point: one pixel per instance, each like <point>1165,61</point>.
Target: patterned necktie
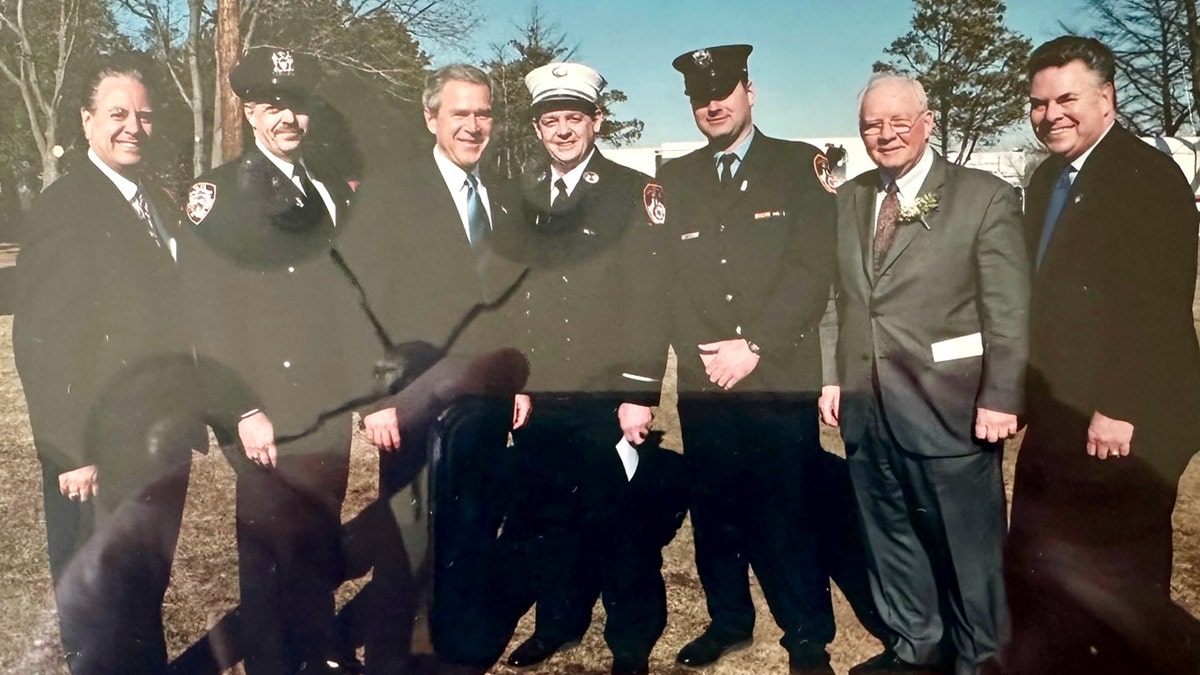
<point>478,224</point>
<point>142,208</point>
<point>1058,199</point>
<point>560,195</point>
<point>726,170</point>
<point>885,225</point>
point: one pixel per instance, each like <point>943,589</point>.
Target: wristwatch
<point>754,348</point>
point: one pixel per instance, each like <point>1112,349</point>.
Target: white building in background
<point>1014,166</point>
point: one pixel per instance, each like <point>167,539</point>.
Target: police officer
<point>276,310</point>
<point>588,517</point>
<point>750,235</point>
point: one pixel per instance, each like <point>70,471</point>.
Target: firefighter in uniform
<point>750,232</point>
<point>595,501</point>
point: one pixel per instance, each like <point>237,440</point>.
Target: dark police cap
<point>268,74</point>
<point>711,74</point>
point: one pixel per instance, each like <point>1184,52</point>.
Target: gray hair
<point>892,77</point>
<point>431,98</point>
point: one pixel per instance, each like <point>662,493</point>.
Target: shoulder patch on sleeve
<point>652,199</point>
<point>824,173</point>
<point>201,197</point>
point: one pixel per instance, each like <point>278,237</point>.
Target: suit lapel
<point>908,231</point>
<point>1083,190</point>
<point>443,210</point>
<point>1037,201</point>
<point>864,218</point>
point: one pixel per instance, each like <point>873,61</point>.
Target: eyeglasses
<point>900,127</point>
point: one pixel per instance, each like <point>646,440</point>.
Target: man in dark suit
<point>750,237</point>
<point>932,304</point>
<point>587,517</point>
<point>421,250</point>
<point>277,310</point>
<point>1113,385</point>
<point>99,320</point>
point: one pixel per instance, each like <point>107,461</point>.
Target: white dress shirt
<point>456,183</point>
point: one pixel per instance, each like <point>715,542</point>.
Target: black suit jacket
<point>589,317</point>
<point>1111,326</point>
<point>98,299</point>
<point>755,261</point>
<point>272,305</point>
<point>420,276</point>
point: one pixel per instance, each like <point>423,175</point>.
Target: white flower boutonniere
<point>916,211</point>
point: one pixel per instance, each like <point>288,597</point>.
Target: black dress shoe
<point>708,648</point>
<point>815,662</point>
<point>535,650</point>
<point>887,662</point>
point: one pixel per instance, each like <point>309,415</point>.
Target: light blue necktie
<point>477,218</point>
<point>1058,199</point>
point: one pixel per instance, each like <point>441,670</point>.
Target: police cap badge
<point>272,75</point>
<point>711,74</point>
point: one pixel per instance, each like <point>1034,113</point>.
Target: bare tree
<point>178,42</point>
<point>37,47</point>
<point>1152,44</point>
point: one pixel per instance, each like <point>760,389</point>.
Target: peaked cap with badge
<point>271,75</point>
<point>711,74</point>
<point>564,86</point>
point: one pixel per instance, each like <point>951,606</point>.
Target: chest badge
<point>201,197</point>
<point>652,199</point>
<point>591,177</point>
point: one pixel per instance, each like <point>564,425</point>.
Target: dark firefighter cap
<point>711,74</point>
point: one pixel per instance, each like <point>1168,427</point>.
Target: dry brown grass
<point>204,584</point>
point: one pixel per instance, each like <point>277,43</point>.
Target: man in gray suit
<point>925,380</point>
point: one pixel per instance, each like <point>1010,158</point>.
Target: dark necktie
<point>885,225</point>
<point>312,202</point>
<point>726,170</point>
<point>560,195</point>
<point>477,217</point>
<point>1058,199</point>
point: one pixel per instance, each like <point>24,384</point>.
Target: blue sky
<point>810,57</point>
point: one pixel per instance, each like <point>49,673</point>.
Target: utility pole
<point>229,52</point>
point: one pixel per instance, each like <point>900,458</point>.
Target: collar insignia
<point>591,177</point>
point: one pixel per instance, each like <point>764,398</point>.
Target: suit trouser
<point>934,529</point>
<point>112,593</point>
<point>581,529</point>
<point>399,565</point>
<point>747,457</point>
<point>1088,560</point>
<point>470,483</point>
<point>289,550</point>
